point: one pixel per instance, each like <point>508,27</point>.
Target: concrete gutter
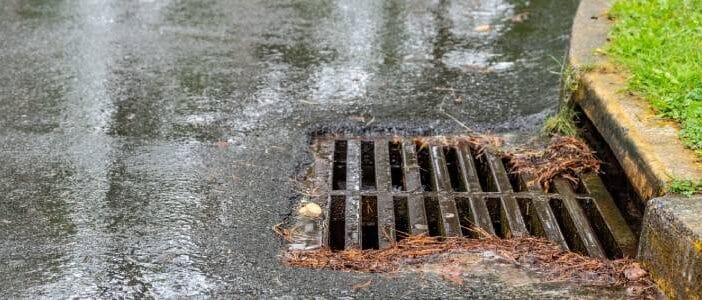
<point>650,153</point>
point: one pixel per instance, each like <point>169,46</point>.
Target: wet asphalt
<point>147,147</point>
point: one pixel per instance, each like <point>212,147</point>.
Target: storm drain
<point>374,192</point>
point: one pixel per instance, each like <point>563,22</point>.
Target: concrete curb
<point>650,153</point>
<point>671,246</point>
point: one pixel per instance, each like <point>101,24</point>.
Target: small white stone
<point>310,210</point>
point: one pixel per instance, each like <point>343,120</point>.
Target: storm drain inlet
<point>376,191</point>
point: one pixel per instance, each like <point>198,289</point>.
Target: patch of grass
<point>685,187</point>
<point>660,43</point>
<point>563,122</point>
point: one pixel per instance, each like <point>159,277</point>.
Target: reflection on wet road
<point>146,147</point>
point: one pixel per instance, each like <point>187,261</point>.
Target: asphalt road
<point>147,147</point>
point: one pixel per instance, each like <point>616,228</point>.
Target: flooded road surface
<point>147,147</point>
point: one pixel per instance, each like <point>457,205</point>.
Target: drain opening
<point>487,182</point>
<point>618,183</point>
<point>424,162</point>
<point>517,184</point>
<point>372,211</point>
<point>465,216</point>
<point>367,165</point>
<point>531,218</point>
<point>600,227</point>
<point>433,211</point>
<point>339,168</point>
<point>454,169</point>
<point>497,216</point>
<point>402,222</point>
<point>369,222</point>
<point>579,188</point>
<point>565,222</point>
<point>337,223</point>
<point>396,175</point>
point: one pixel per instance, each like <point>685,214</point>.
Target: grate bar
<point>549,222</point>
<point>624,238</point>
<point>353,200</point>
<point>323,172</point>
<point>415,200</point>
<point>353,165</point>
<point>481,215</point>
<point>543,210</point>
<point>582,225</point>
<point>386,216</point>
<point>449,213</point>
<point>353,222</point>
<point>516,226</point>
<point>382,166</point>
<point>498,174</point>
<point>469,175</point>
<point>440,179</point>
<point>468,169</point>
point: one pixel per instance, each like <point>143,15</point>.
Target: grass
<point>685,187</point>
<point>563,122</point>
<point>659,42</point>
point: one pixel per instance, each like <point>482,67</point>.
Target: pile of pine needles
<point>565,156</point>
<point>534,254</point>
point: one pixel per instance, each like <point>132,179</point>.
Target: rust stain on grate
<point>375,191</point>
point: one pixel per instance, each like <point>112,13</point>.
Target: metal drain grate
<point>376,191</point>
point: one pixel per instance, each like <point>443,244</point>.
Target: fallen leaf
<point>482,28</point>
<point>634,272</point>
<point>452,274</point>
<point>309,102</point>
<point>358,118</point>
<point>635,291</point>
<point>359,286</point>
<point>519,18</point>
<point>221,144</point>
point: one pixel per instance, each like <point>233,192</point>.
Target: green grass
<point>563,122</point>
<point>660,43</point>
<point>684,187</point>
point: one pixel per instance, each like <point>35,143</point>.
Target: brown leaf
<point>221,144</point>
<point>452,274</point>
<point>482,28</point>
<point>360,286</point>
<point>521,17</point>
<point>634,272</point>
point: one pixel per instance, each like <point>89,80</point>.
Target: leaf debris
<point>536,254</point>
